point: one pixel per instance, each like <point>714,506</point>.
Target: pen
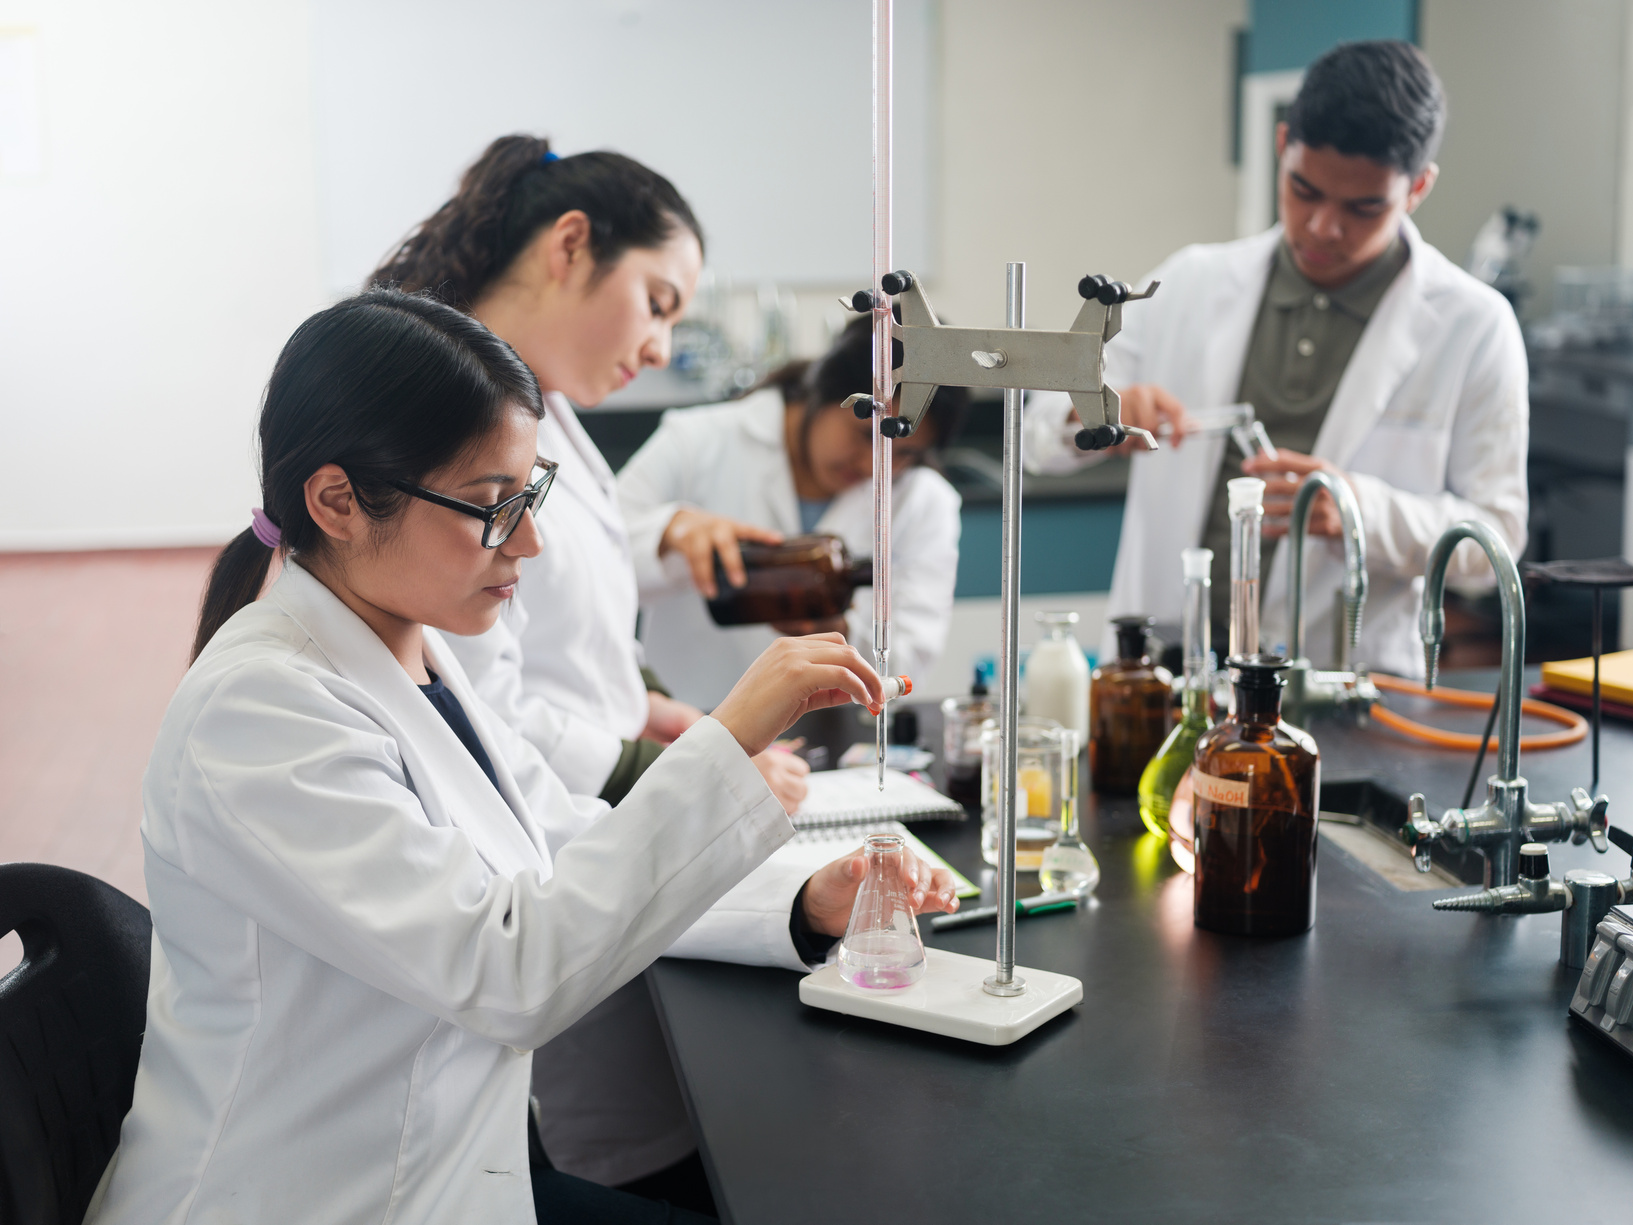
<point>1042,904</point>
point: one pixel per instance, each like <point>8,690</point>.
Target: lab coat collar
<point>1388,351</point>
<point>456,790</point>
<point>583,468</point>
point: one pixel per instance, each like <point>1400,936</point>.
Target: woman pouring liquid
<point>371,898</point>
<point>789,459</point>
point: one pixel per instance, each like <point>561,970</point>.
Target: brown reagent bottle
<point>1258,790</point>
<point>1131,704</point>
<point>806,578</point>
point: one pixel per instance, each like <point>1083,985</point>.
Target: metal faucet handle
<point>1591,819</point>
<point>1419,832</point>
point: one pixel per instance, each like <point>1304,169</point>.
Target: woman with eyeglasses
<point>790,458</point>
<point>584,264</point>
<point>371,899</point>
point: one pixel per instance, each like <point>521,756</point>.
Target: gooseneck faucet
<point>1508,819</point>
<point>1308,690</point>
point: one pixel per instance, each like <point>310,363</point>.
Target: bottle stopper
<point>1245,492</point>
<point>1197,564</point>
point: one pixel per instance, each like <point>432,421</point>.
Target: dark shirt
<point>453,714</point>
<point>1303,339</point>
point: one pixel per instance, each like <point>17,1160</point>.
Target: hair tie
<point>266,531</point>
<point>549,156</point>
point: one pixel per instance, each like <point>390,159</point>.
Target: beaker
<point>1039,746</point>
<point>881,948</point>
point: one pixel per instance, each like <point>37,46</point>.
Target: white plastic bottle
<point>1057,676</point>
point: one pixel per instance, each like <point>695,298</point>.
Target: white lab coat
<point>731,459</point>
<point>358,940</point>
<point>1430,421</point>
<point>562,669</point>
<point>563,666</point>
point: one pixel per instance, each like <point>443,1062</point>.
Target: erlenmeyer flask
<point>881,948</point>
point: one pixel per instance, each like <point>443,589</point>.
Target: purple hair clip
<point>549,156</point>
<point>266,531</point>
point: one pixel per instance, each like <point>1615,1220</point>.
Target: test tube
<point>1246,495</point>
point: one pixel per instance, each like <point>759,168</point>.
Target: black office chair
<point>71,1021</point>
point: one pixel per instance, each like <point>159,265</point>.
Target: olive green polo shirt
<point>1302,342</point>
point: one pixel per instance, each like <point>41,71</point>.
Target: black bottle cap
<point>1257,671</point>
<point>1131,635</point>
<point>1534,861</point>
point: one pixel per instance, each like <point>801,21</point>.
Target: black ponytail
<point>390,386</point>
<point>514,190</point>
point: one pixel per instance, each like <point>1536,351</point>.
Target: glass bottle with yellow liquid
<point>1257,784</point>
<point>1163,772</point>
<point>1039,749</point>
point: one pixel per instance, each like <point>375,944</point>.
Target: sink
<point>1364,819</point>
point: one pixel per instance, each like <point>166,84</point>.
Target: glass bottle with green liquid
<point>1164,771</point>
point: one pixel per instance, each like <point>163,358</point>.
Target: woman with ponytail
<point>584,263</point>
<point>370,898</point>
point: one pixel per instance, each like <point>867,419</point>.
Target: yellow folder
<point>1576,676</point>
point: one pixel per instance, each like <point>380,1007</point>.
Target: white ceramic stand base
<point>949,1000</point>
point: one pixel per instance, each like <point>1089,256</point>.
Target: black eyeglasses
<point>498,521</point>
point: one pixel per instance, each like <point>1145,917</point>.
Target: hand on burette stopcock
<point>793,676</point>
<point>698,536</point>
<point>1282,476</point>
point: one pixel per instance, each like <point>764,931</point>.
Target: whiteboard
<point>758,110</point>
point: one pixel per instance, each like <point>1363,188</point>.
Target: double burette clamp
<point>927,354</point>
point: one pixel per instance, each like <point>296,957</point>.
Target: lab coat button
<point>1321,302</point>
<point>1306,347</point>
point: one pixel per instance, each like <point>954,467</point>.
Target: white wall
<point>759,112</point>
<point>1537,115</point>
<point>1080,136</point>
<point>150,272</point>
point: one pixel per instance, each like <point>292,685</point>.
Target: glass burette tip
<point>881,661</point>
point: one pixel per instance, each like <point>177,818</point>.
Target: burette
<point>883,370</point>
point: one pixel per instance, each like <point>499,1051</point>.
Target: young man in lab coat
<point>1364,351</point>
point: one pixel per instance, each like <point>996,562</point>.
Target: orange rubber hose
<point>1576,727</point>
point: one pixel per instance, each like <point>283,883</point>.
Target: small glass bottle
<point>1130,708</point>
<point>961,723</point>
<point>882,948</point>
<point>1258,790</point>
<point>806,578</point>
<point>1068,865</point>
<point>1039,746</point>
<point>1057,676</point>
<point>1163,772</point>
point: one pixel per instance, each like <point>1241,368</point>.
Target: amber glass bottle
<point>806,578</point>
<point>1131,703</point>
<point>1258,790</point>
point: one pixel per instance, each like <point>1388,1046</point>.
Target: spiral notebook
<point>852,797</point>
